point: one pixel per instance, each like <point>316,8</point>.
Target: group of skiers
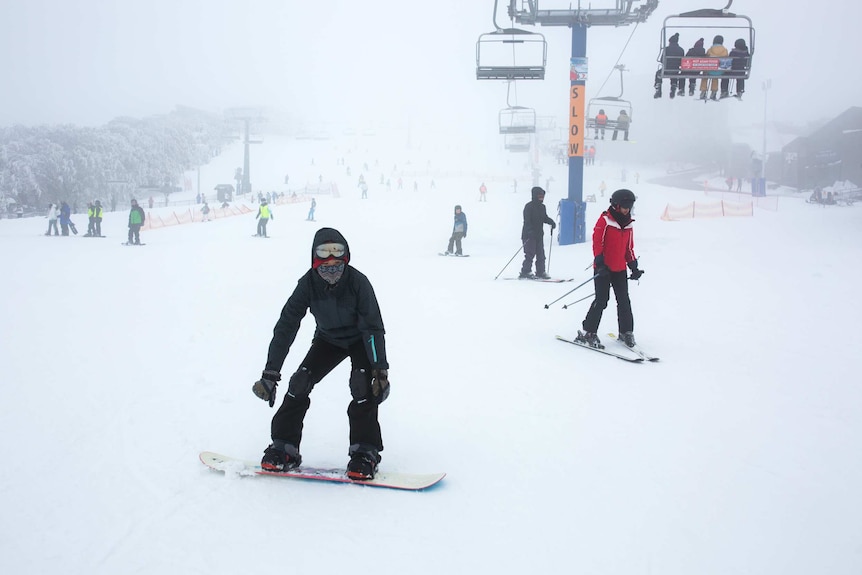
<point>63,215</point>
<point>349,324</point>
<point>673,54</point>
<point>613,256</point>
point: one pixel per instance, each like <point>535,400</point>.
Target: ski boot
<point>703,94</point>
<point>590,338</point>
<point>725,95</point>
<point>657,94</point>
<point>672,94</point>
<point>280,456</point>
<point>363,462</point>
<point>542,276</point>
<point>628,338</point>
<point>526,276</point>
<point>713,96</point>
<point>691,90</point>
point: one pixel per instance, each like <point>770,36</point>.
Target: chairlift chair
<point>517,120</point>
<point>516,142</point>
<point>612,107</point>
<point>707,23</point>
<point>511,54</point>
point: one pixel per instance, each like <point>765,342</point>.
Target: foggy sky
<point>88,61</point>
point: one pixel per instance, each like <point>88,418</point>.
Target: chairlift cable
<point>622,53</point>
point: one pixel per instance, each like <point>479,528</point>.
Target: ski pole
<point>510,261</point>
<point>547,305</point>
<point>550,247</point>
<point>579,300</point>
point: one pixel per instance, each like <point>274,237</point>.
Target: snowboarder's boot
<point>363,462</point>
<point>590,338</point>
<point>280,456</point>
<point>628,338</point>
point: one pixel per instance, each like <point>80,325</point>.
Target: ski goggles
<point>331,249</point>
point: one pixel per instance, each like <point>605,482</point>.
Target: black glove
<point>601,269</point>
<point>553,226</point>
<point>265,387</point>
<point>636,273</point>
<point>380,384</point>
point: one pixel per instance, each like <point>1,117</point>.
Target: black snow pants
<point>322,358</point>
<point>619,281</point>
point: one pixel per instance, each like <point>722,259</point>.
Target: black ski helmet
<point>623,198</point>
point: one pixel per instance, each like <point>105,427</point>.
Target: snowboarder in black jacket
<point>533,235</point>
<point>349,324</point>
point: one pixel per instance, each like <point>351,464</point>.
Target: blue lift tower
<point>625,12</point>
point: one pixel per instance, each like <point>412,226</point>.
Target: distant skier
<point>533,235</point>
<point>310,217</point>
<point>349,324</point>
<point>459,231</point>
<point>264,214</point>
<point>52,216</point>
<point>613,250</point>
<point>136,220</point>
<point>483,191</point>
<point>205,212</point>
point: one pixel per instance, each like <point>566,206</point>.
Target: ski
<point>602,350</point>
<point>128,244</point>
<point>454,255</point>
<point>636,349</point>
<point>547,281</point>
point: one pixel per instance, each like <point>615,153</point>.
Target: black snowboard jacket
<point>345,312</point>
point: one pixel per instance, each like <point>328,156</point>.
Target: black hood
<point>326,235</point>
<point>536,192</point>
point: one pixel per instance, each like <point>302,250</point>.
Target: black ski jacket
<point>535,216</point>
<point>345,312</point>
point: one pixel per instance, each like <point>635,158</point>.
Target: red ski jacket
<point>615,242</point>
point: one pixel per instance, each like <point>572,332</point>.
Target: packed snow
<point>736,453</point>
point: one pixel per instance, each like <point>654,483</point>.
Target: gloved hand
<point>380,384</point>
<point>601,269</point>
<point>636,273</point>
<point>553,226</point>
<point>265,387</point>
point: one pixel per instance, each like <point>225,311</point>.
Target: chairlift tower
<point>247,116</point>
<point>573,209</point>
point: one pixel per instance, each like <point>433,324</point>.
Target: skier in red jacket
<point>613,251</point>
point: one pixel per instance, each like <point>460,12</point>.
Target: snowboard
<point>390,480</point>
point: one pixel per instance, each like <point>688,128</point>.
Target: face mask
<point>331,273</point>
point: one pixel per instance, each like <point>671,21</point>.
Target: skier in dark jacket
<point>672,59</point>
<point>613,251</point>
<point>349,324</point>
<point>696,51</point>
<point>65,218</point>
<point>741,61</point>
<point>533,235</point>
<point>459,231</point>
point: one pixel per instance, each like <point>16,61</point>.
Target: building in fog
<point>831,153</point>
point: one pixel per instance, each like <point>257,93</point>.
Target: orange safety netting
<point>707,210</point>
